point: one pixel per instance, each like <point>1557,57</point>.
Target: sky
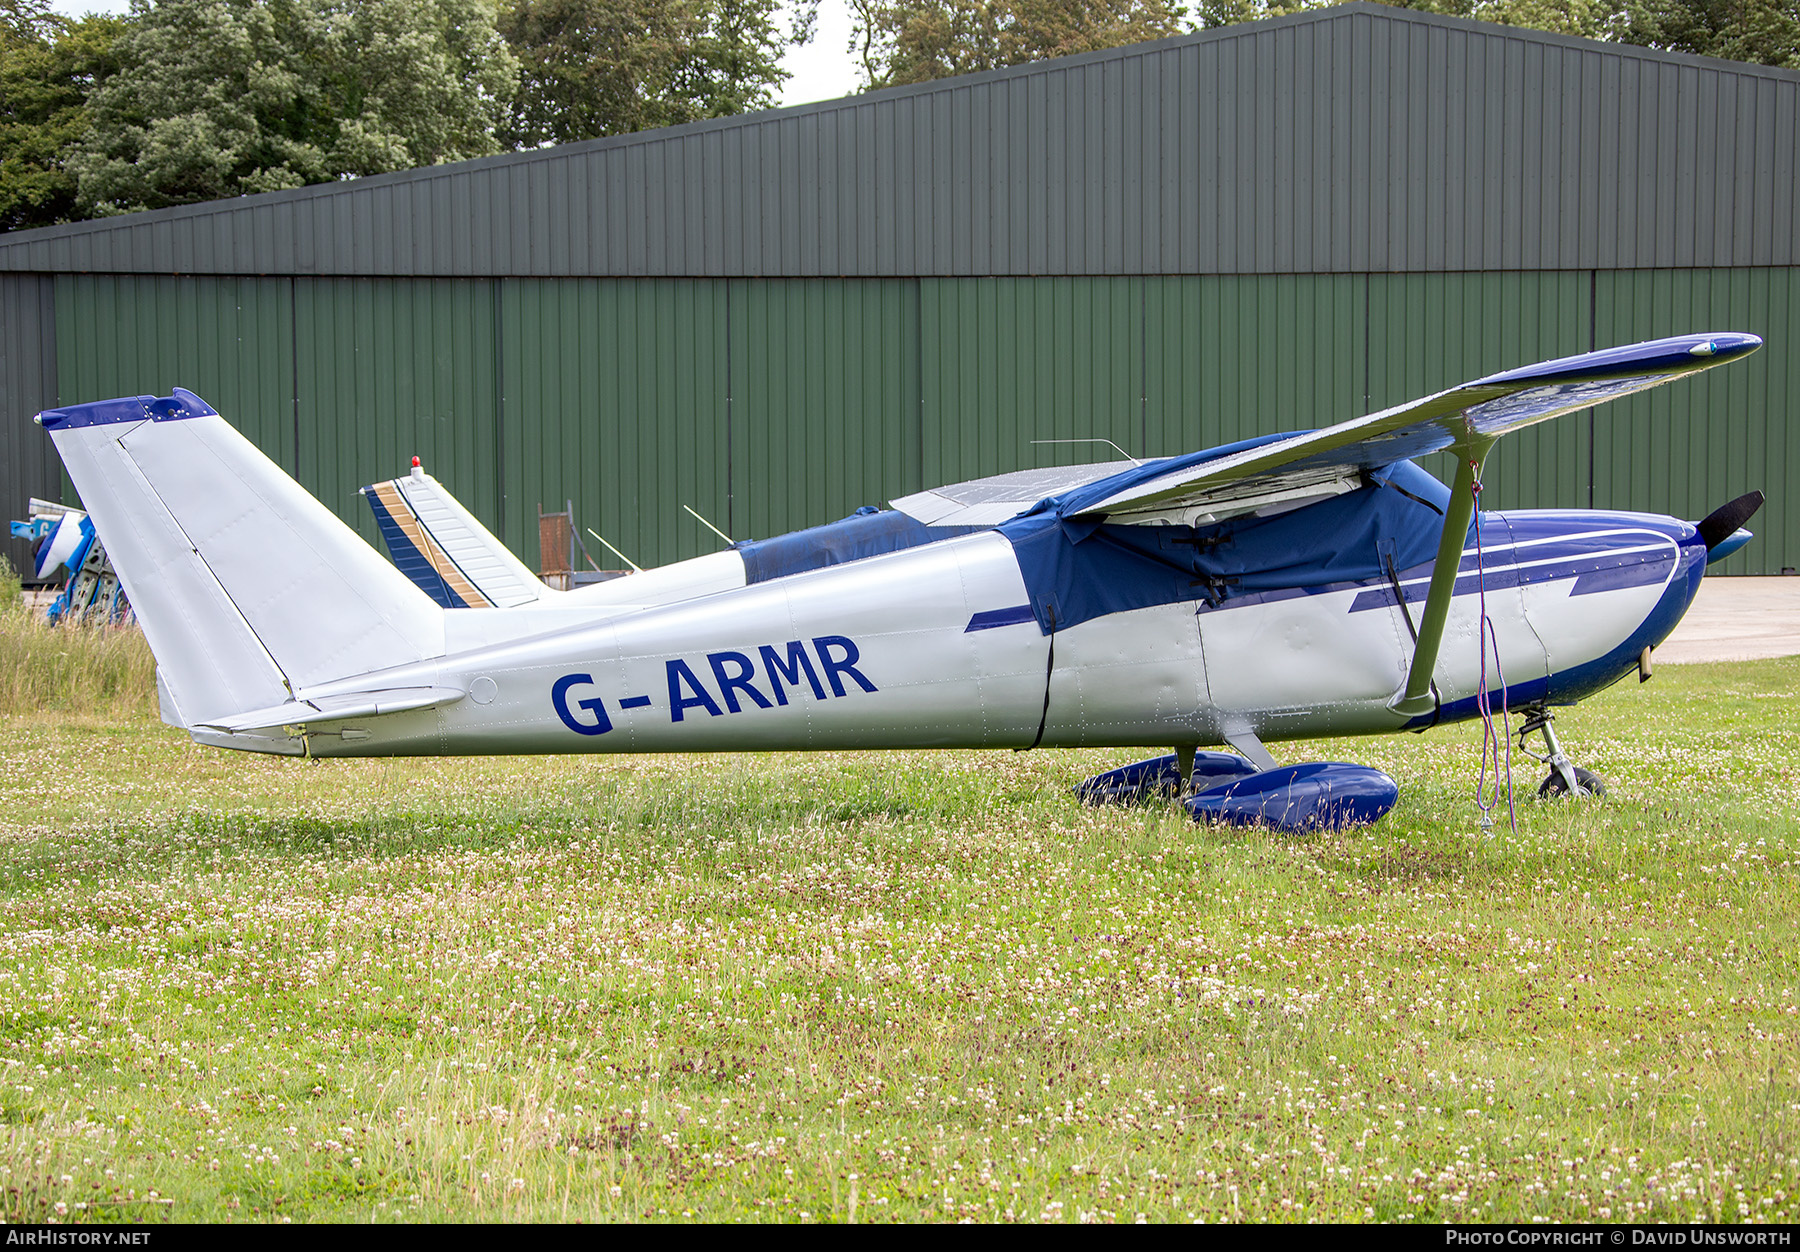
<point>822,70</point>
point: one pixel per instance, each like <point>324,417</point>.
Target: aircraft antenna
<point>1109,443</point>
<point>715,530</point>
<point>602,538</point>
<point>576,539</point>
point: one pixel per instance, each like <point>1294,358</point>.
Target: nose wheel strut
<point>1565,777</point>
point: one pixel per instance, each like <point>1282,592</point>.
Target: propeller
<point>1724,523</point>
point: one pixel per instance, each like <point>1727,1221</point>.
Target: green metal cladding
<point>772,404</point>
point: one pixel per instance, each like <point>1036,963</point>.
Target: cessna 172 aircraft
<point>1287,587</point>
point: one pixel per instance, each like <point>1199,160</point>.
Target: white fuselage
<point>934,647</point>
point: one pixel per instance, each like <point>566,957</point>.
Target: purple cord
<point>1490,743</point>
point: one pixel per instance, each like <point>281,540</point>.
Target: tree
<point>590,68</point>
<point>226,97</point>
<point>915,41</point>
<point>1766,32</point>
<point>1211,13</point>
<point>48,65</point>
<point>1588,18</point>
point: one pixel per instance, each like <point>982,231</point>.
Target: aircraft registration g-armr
<point>1286,587</point>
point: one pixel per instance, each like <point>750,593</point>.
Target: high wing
<point>1205,487</point>
<point>990,501</point>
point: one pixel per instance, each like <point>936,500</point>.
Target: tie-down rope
<point>1486,798</point>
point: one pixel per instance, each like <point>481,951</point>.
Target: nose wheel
<point>1565,777</point>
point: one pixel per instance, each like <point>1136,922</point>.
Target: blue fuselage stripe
<point>1592,572</point>
<point>993,619</point>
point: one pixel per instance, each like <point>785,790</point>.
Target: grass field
<point>899,986</point>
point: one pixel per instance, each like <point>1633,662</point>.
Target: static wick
<point>1109,443</point>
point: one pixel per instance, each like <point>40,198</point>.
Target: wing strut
<point>1419,699</point>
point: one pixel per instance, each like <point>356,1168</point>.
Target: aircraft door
<point>1299,661</point>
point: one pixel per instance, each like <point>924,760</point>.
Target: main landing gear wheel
<point>1587,783</point>
<point>1565,776</point>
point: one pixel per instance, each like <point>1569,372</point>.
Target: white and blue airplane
<point>1288,587</point>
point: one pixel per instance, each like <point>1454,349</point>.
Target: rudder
<point>443,550</point>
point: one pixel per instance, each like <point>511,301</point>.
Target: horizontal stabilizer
<point>335,708</point>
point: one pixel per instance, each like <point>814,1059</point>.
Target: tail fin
<point>247,588</point>
<point>449,555</point>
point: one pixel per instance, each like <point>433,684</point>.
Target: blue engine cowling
<point>1318,795</point>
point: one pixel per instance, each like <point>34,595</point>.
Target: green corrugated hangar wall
<point>769,405</point>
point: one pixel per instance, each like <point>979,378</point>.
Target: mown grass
<point>914,985</point>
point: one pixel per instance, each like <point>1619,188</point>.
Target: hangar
<point>778,317</point>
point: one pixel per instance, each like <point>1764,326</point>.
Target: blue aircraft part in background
<point>64,538</point>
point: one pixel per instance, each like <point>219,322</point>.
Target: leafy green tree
<point>914,41</point>
<point>48,65</point>
<point>1765,32</point>
<point>1211,13</point>
<point>590,68</point>
<point>226,97</point>
<point>1588,18</point>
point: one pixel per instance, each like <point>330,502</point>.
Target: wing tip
<point>1677,354</point>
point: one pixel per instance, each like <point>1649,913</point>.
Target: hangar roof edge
<point>53,249</point>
